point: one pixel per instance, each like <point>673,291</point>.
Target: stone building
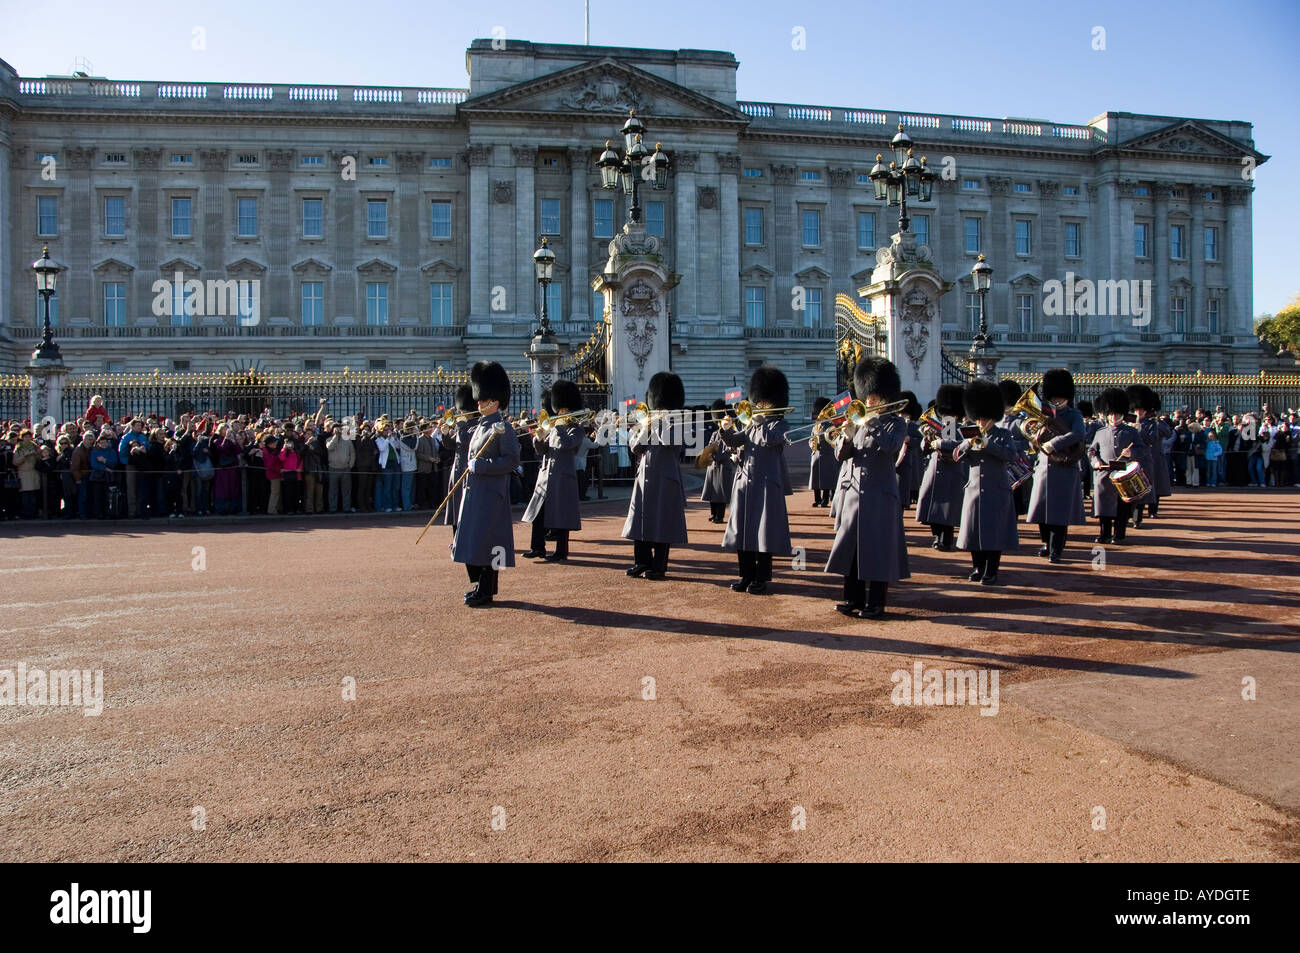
<point>313,227</point>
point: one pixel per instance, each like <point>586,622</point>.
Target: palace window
<point>555,301</point>
<point>54,309</point>
<point>47,215</point>
<point>1023,187</point>
<point>377,162</point>
<point>753,226</point>
<point>377,303</point>
<point>248,303</point>
<point>602,218</point>
<point>1024,237</point>
<point>114,216</point>
<point>1073,240</point>
<point>1025,313</point>
<point>921,228</point>
<point>246,158</point>
<point>184,303</point>
<point>1212,315</point>
<point>753,173</point>
<point>182,158</point>
<point>1140,239</point>
<point>247,217</point>
<point>1211,244</point>
<point>970,185</point>
<point>550,216</point>
<point>971,230</point>
<point>1178,311</point>
<point>440,314</point>
<point>440,218</point>
<point>866,230</point>
<point>1070,190</point>
<point>115,158</point>
<point>376,218</point>
<point>973,311</point>
<point>114,304</point>
<point>812,314</point>
<point>181,218</point>
<point>440,162</point>
<point>755,307</point>
<point>809,175</point>
<point>313,160</point>
<point>654,218</point>
<point>313,218</point>
<point>313,304</point>
<point>1175,241</point>
<point>812,227</point>
<point>1141,190</point>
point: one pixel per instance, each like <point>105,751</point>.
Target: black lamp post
<point>982,359</point>
<point>636,163</point>
<point>905,176</point>
<point>47,274</point>
<point>544,264</point>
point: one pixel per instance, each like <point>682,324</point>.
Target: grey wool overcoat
<point>460,439</point>
<point>1057,497</point>
<point>557,479</point>
<point>939,502</point>
<point>721,474</point>
<point>869,521</point>
<point>1107,445</point>
<point>656,513</point>
<point>988,508</point>
<point>759,522</point>
<point>484,533</point>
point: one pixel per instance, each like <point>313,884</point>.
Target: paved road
<point>594,717</point>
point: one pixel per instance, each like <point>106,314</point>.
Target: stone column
<point>1161,316</point>
<point>151,209</point>
<point>729,256</point>
<point>8,217</point>
<point>784,237</point>
<point>279,295</point>
<point>579,236</point>
<point>1001,245</point>
<point>479,240</point>
<point>527,304</point>
<point>1194,246</point>
<point>684,231</point>
<point>412,243</point>
<point>1235,250</point>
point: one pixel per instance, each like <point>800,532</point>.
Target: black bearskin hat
<point>950,401</point>
<point>1011,392</point>
<point>1085,408</point>
<point>546,403</point>
<point>877,376</point>
<point>768,384</point>
<point>1058,382</point>
<point>983,400</point>
<point>913,408</point>
<point>1112,401</point>
<point>490,382</point>
<point>817,405</point>
<point>1139,396</point>
<point>665,392</point>
<point>465,399</point>
<point>1154,402</point>
<point>565,395</point>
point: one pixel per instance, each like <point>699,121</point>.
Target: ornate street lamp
<point>906,175</point>
<point>47,274</point>
<point>982,358</point>
<point>635,164</point>
<point>544,265</point>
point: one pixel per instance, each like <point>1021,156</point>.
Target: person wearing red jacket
<point>97,413</point>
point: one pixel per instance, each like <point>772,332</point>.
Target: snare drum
<point>1020,471</point>
<point>1132,483</point>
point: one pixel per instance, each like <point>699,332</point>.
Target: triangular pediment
<point>813,273</point>
<point>439,266</point>
<point>113,265</point>
<point>1190,138</point>
<point>757,272</point>
<point>601,87</point>
<point>245,265</point>
<point>179,264</point>
<point>377,266</point>
<point>312,266</point>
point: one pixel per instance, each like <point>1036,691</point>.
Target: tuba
<point>1038,426</point>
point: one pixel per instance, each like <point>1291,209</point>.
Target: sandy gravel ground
<point>593,717</point>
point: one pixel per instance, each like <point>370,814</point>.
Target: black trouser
<point>582,483</point>
<point>654,555</point>
<point>859,594</point>
<point>717,509</point>
<point>424,491</point>
<point>986,561</point>
<point>537,542</point>
<point>1153,504</point>
<point>944,534</point>
<point>755,566</point>
<point>1053,537</point>
<point>484,579</point>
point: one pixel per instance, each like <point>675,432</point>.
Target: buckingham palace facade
<point>211,226</point>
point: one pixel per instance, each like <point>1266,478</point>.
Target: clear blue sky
<point>1033,59</point>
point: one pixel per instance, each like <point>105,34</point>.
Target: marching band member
<point>909,458</point>
<point>823,473</point>
<point>458,436</point>
<point>1010,422</point>
<point>1057,499</point>
<point>656,512</point>
<point>1145,404</point>
<point>942,487</point>
<point>759,526</point>
<point>844,476</point>
<point>1115,442</point>
<point>484,539</point>
<point>870,548</point>
<point>1090,427</point>
<point>720,477</point>
<point>988,511</point>
<point>554,504</point>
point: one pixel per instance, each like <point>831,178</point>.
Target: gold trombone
<point>545,423</point>
<point>858,413</point>
<point>745,412</point>
<point>450,418</point>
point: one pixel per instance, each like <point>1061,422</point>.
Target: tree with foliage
<point>1281,330</point>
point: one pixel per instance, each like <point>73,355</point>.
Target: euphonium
<point>1031,406</point>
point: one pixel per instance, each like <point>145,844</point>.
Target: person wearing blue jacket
<point>103,461</point>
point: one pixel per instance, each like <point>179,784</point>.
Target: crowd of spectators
<point>204,463</point>
<point>1220,449</point>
